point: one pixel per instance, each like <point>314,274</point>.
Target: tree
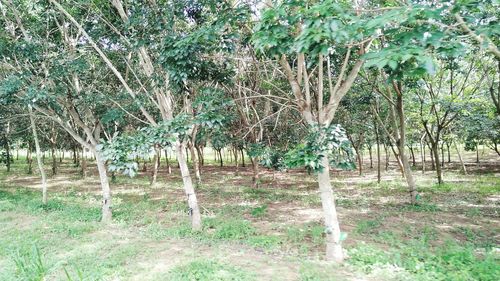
<point>305,38</point>
<point>445,97</point>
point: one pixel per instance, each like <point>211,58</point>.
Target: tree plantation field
<point>249,140</point>
<point>270,233</point>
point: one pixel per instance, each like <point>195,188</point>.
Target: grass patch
<point>30,265</point>
<point>310,232</point>
<point>235,229</point>
<point>418,261</point>
<point>265,242</point>
<point>207,270</point>
<point>259,212</point>
<point>368,226</point>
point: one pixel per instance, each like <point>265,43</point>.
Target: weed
<point>476,237</point>
<point>29,265</point>
<point>368,226</point>
<point>259,211</point>
<point>267,242</point>
<point>421,207</point>
<point>473,212</point>
<point>312,232</point>
<point>231,229</point>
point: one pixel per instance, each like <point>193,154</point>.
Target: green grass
<point>368,226</point>
<point>259,211</point>
<point>207,270</point>
<point>417,261</point>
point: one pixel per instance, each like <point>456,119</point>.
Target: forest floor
<point>272,232</point>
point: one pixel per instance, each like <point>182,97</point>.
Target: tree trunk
<point>433,166</point>
<point>169,168</point>
<point>414,162</point>
<point>477,153</point>
<point>371,156</point>
<point>442,154</point>
<point>39,158</point>
<point>200,155</point>
<point>196,163</point>
<point>460,159</point>
<point>7,146</point>
<point>332,227</point>
<point>255,169</point>
<point>83,165</point>
<point>75,158</point>
<point>402,153</point>
<point>448,151</point>
<point>237,164</point>
<point>360,162</point>
<point>194,210</point>
<point>398,160</point>
<point>435,151</point>
<point>386,158</point>
<point>54,159</point>
<point>242,159</point>
<point>106,190</point>
<point>377,139</point>
<point>29,158</point>
<point>156,165</point>
<point>220,157</point>
<point>422,155</point>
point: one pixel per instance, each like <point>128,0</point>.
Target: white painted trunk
<point>334,250</point>
<point>106,190</point>
<point>39,158</point>
<point>194,210</point>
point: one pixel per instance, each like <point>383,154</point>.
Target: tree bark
<point>194,210</point>
<point>39,157</point>
<point>435,151</point>
<point>196,163</point>
<point>360,162</point>
<point>414,162</point>
<point>106,190</point>
<point>448,151</point>
<point>398,160</point>
<point>386,158</point>
<point>256,174</point>
<point>156,165</point>
<point>242,159</point>
<point>477,153</point>
<point>7,146</point>
<point>332,227</point>
<point>433,166</point>
<point>371,156</point>
<point>442,154</point>
<point>220,157</point>
<point>422,155</point>
<point>377,139</point>
<point>237,164</point>
<point>29,158</point>
<point>200,155</point>
<point>169,167</point>
<point>54,159</point>
<point>83,165</point>
<point>402,153</point>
